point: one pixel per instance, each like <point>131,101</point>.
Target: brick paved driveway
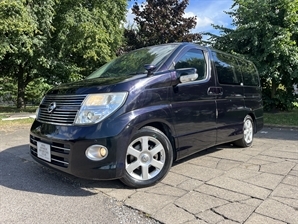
<point>224,184</point>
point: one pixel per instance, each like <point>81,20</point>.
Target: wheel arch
<point>164,128</point>
<point>252,115</point>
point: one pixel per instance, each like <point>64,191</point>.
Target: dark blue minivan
<point>137,114</point>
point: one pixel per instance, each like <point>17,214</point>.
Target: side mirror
<point>150,68</point>
<point>186,74</point>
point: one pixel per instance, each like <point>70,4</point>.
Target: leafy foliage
<point>8,90</point>
<point>266,33</point>
<point>25,27</point>
<point>87,34</point>
<point>160,21</point>
<point>58,41</point>
<point>33,92</point>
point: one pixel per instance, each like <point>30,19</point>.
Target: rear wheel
<point>149,157</point>
<point>248,133</point>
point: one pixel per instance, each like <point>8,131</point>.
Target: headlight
<point>97,107</point>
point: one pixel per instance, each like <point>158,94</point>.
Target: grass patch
<point>12,110</point>
<point>3,116</point>
<point>6,111</point>
<point>10,125</point>
<point>282,118</point>
<point>16,122</point>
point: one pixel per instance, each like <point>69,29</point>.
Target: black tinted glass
<point>249,73</point>
<point>193,59</point>
<point>228,70</point>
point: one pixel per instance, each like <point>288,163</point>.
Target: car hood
<point>96,85</point>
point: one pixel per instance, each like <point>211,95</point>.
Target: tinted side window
<point>228,70</point>
<point>249,73</point>
<point>193,59</point>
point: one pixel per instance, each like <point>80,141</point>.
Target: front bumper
<point>68,150</point>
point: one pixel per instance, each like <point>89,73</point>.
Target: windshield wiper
<point>138,73</point>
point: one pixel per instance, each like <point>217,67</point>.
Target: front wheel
<point>149,157</point>
<point>248,133</point>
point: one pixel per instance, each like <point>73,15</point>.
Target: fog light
<point>96,152</point>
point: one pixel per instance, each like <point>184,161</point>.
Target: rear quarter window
<point>227,68</point>
<point>249,73</point>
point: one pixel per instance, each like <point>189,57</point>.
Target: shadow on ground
<point>20,172</point>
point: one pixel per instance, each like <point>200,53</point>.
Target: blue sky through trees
<point>207,11</point>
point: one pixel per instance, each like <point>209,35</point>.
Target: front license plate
<point>44,151</point>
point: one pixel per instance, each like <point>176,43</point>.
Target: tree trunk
<point>21,91</point>
<point>273,88</point>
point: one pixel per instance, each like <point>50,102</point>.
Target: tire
<point>149,157</point>
<point>248,133</point>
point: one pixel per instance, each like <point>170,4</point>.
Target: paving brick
<point>252,201</point>
<point>279,153</point>
<point>235,211</point>
<point>210,216</point>
<point>258,161</point>
<point>253,151</point>
<point>196,221</point>
<point>167,190</point>
<point>225,164</point>
<point>149,203</point>
<point>256,218</point>
<point>291,180</point>
<point>149,188</point>
<point>241,174</point>
<point>227,222</point>
<point>240,187</point>
<point>286,191</point>
<point>288,201</point>
<point>294,173</point>
<point>195,202</point>
<point>205,161</point>
<point>287,148</point>
<point>190,184</point>
<point>174,179</point>
<point>250,166</point>
<point>282,168</point>
<point>197,172</point>
<point>221,193</point>
<point>121,194</point>
<point>269,158</point>
<point>231,154</point>
<point>172,214</point>
<point>278,211</point>
<point>266,180</point>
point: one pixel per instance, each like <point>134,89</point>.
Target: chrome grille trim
<point>58,161</point>
<point>65,112</point>
<point>61,148</point>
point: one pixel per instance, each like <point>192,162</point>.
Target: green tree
<point>87,34</point>
<point>25,27</point>
<point>160,21</point>
<point>58,41</point>
<point>8,90</point>
<point>267,33</point>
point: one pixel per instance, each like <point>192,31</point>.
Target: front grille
<point>65,109</point>
<point>59,152</point>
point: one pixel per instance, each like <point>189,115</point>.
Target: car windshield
<point>133,62</point>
